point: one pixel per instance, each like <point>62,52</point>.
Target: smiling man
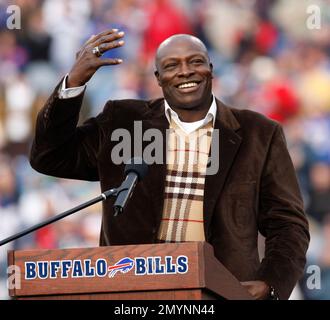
<point>184,72</point>
<point>254,190</point>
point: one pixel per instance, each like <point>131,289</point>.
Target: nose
<point>185,70</point>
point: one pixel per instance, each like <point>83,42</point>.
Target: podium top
<point>166,266</point>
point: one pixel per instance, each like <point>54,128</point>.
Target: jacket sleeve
<point>281,220</point>
<point>61,148</point>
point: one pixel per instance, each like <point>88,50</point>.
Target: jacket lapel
<point>229,143</point>
<point>156,119</point>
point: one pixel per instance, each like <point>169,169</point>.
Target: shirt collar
<point>210,116</point>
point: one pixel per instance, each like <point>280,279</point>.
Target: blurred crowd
<point>266,58</point>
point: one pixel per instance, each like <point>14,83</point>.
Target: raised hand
<point>88,57</point>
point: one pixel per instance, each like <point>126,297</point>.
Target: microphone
<point>135,170</point>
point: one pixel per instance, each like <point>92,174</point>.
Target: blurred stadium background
<point>265,58</point>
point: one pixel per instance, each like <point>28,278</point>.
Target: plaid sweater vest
<point>187,156</point>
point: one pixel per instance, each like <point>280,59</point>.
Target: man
<point>254,189</point>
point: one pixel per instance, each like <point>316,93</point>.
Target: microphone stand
<point>105,195</point>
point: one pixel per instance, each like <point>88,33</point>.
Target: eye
<point>197,61</point>
<point>170,65</point>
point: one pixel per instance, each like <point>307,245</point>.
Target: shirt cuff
<point>67,93</point>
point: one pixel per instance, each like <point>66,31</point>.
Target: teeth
<point>187,85</point>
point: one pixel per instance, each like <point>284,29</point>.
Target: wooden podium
<point>175,271</point>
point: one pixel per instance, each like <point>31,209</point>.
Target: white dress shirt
<point>189,127</point>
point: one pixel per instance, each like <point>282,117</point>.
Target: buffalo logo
<point>124,265</point>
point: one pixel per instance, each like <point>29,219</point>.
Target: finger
<point>251,291</point>
<point>246,283</point>
<point>104,47</point>
<point>108,38</point>
<point>90,39</point>
<point>108,62</point>
<point>94,37</point>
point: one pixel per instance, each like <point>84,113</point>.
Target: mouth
<point>188,86</point>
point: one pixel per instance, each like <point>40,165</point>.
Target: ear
<point>156,73</point>
<point>211,68</point>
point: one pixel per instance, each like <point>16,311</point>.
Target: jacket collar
<point>224,114</point>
